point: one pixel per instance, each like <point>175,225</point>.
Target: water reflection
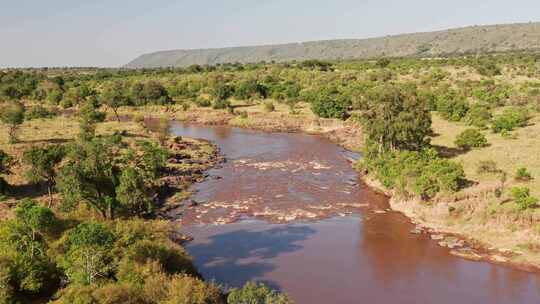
<point>240,255</point>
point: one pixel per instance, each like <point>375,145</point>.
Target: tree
<point>116,96</point>
<point>42,163</point>
<point>32,224</point>
<point>470,138</point>
<point>330,103</point>
<point>132,193</point>
<point>6,162</point>
<point>12,115</point>
<point>87,258</point>
<point>90,176</point>
<point>88,117</point>
<point>23,244</point>
<point>396,119</point>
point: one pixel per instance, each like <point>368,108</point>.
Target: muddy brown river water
<point>288,210</point>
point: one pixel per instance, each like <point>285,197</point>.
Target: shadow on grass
<point>19,192</point>
<point>449,152</point>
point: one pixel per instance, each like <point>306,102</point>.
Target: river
<point>293,214</point>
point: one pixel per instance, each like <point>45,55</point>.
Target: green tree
<point>116,96</point>
<point>42,163</point>
<point>89,116</point>
<point>330,103</point>
<point>6,162</point>
<point>90,176</point>
<point>88,253</point>
<point>132,193</point>
<point>23,248</point>
<point>396,119</point>
<point>12,115</point>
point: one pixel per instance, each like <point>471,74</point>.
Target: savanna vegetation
<point>81,182</point>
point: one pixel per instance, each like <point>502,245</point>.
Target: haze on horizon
<point>107,34</point>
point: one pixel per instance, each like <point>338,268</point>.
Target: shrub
<point>256,293</point>
<point>523,175</point>
<point>470,138</point>
<point>523,198</point>
<point>422,173</point>
<point>452,106</point>
<point>478,116</point>
<point>12,115</point>
<point>510,119</point>
<point>201,102</point>
<point>329,103</point>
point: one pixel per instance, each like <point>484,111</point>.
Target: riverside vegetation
<point>81,198</point>
<point>453,139</point>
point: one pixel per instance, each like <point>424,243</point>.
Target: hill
<point>473,39</point>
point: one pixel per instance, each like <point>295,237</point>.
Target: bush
<point>422,173</point>
<point>201,102</point>
<point>470,138</point>
<point>452,106</point>
<point>478,116</point>
<point>523,198</point>
<point>510,119</point>
<point>329,103</point>
<point>523,175</point>
<point>256,294</point>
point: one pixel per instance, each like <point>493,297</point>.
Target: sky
<point>111,33</point>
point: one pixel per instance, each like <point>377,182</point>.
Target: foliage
<point>470,138</point>
<point>23,250</point>
<point>89,116</point>
<point>115,96</point>
<point>254,293</point>
<point>12,115</point>
<point>6,161</point>
<point>452,106</point>
<point>329,103</point>
<point>522,174</point>
<point>523,198</point>
<point>87,256</point>
<point>396,120</point>
<point>422,173</point>
<point>42,164</point>
<point>478,116</point>
<point>150,92</point>
<point>510,119</point>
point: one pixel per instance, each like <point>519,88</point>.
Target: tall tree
<point>42,163</point>
<point>116,96</point>
<point>12,115</point>
<point>396,119</point>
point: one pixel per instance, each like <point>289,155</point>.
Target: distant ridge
<point>472,39</point>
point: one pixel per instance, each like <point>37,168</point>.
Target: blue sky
<point>111,33</point>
